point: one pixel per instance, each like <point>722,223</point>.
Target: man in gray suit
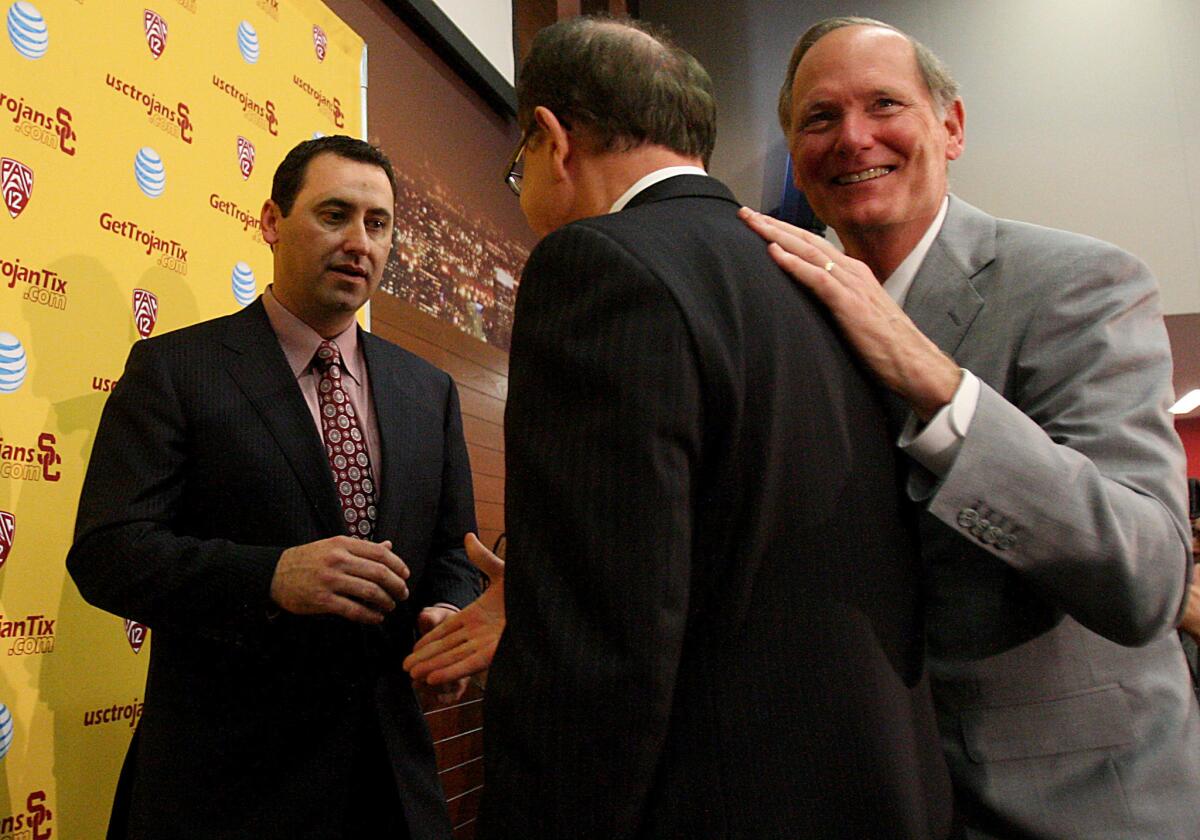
<point>1034,369</point>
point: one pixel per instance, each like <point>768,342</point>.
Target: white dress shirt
<point>936,445</point>
<point>651,178</point>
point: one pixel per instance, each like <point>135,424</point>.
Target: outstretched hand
<point>1191,614</point>
<point>886,339</point>
<point>464,643</point>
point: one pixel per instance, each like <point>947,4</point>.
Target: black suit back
<point>714,600</point>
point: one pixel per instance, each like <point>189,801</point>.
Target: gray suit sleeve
<point>1078,465</point>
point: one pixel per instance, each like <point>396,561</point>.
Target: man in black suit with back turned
<point>234,461</point>
<point>713,622</point>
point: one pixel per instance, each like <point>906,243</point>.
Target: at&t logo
<point>27,30</point>
<point>13,363</point>
<point>6,730</point>
<point>247,41</point>
<point>245,289</point>
<point>150,172</point>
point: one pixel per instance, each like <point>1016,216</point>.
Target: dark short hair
<point>623,83</point>
<point>938,81</point>
<point>289,177</point>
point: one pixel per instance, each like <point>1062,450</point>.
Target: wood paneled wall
<point>481,373</point>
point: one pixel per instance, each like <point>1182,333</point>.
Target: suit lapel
<point>393,390</point>
<point>943,300</point>
<point>258,366</point>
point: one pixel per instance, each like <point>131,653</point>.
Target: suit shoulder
<point>193,337</point>
<point>393,354</point>
<point>1046,244</point>
<point>670,233</point>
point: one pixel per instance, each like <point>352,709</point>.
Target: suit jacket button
<point>993,536</point>
<point>967,517</point>
<point>1006,542</point>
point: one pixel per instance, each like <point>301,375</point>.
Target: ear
<point>556,134</point>
<point>269,218</point>
<point>954,121</point>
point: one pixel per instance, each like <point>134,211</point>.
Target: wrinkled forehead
<point>333,177</point>
<point>853,58</point>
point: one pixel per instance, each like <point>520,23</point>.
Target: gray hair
<point>938,81</point>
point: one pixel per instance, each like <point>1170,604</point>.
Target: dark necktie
<point>345,444</point>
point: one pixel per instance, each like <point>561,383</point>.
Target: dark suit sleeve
<point>450,577</point>
<point>603,434</point>
<point>126,558</point>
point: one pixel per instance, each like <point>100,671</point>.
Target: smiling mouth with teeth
<point>865,175</point>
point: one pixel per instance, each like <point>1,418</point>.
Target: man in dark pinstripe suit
<point>714,624</point>
<point>275,706</point>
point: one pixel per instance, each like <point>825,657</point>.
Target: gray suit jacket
<point>1057,542</point>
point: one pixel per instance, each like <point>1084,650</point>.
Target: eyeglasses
<point>515,171</point>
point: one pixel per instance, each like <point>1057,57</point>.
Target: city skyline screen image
<point>460,239</point>
<point>450,261</point>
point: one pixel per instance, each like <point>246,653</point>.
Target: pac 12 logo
<point>245,153</point>
<point>16,180</point>
<point>149,171</point>
<point>8,532</point>
<point>145,311</point>
<point>135,634</point>
<point>245,288</point>
<point>27,30</point>
<point>320,42</point>
<point>156,32</point>
<point>13,363</point>
<point>247,41</point>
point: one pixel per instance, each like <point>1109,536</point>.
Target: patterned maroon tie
<point>344,444</point>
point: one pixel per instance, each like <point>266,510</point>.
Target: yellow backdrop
<point>137,143</point>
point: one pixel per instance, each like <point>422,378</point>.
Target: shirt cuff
<point>448,606</point>
<point>936,445</point>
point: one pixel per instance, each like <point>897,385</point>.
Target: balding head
<point>620,84</point>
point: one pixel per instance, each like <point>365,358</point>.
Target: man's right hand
<point>355,579</point>
<point>1191,613</point>
<point>464,644</point>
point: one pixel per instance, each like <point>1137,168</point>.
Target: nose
<point>856,132</point>
<point>357,239</point>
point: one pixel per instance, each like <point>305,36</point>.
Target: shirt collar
<point>649,180</point>
<point>901,280</point>
<point>300,341</point>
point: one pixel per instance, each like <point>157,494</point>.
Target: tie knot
<point>327,355</point>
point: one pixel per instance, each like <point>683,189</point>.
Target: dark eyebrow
<point>342,204</point>
<point>333,204</point>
